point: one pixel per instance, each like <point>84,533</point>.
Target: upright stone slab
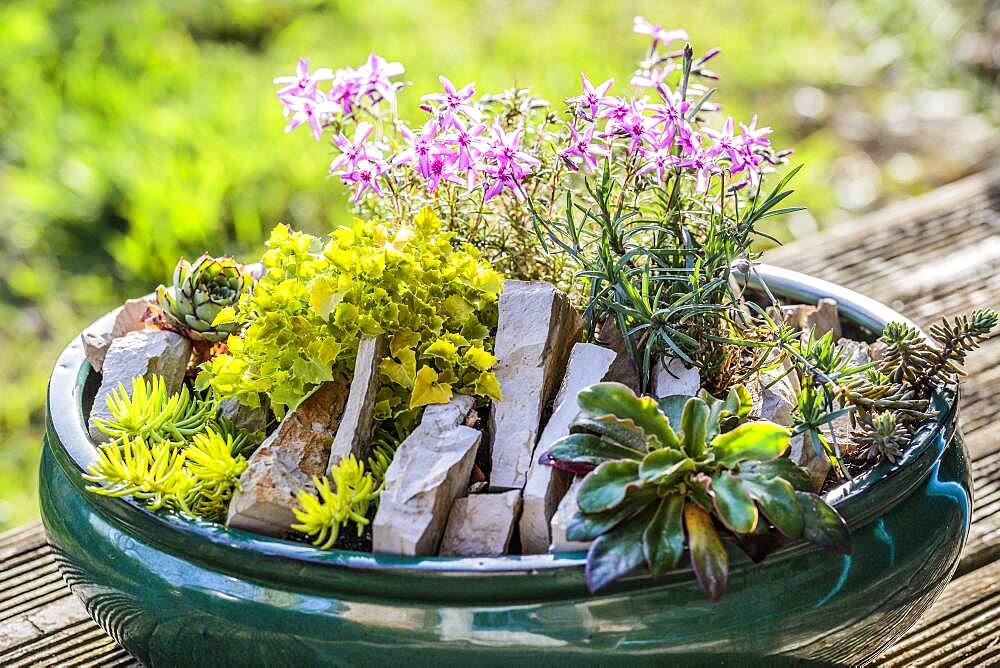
<point>247,418</point>
<point>671,376</point>
<point>145,353</point>
<point>821,318</point>
<point>481,525</point>
<point>623,369</point>
<point>536,329</point>
<point>802,452</point>
<point>129,318</point>
<point>588,364</point>
<point>560,522</point>
<point>355,428</point>
<point>430,469</point>
<point>286,462</point>
<point>774,394</point>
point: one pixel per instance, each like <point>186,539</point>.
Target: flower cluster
<point>304,102</point>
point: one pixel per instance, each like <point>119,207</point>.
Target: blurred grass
<point>132,133</point>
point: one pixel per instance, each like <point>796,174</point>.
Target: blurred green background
<point>132,133</point>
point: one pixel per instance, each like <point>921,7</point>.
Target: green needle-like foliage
<point>153,414</point>
<point>152,474</point>
<point>346,499</point>
<point>664,475</point>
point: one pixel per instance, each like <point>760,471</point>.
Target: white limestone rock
<point>671,376</point>
<point>481,525</point>
<point>536,329</point>
<point>287,461</point>
<point>546,485</point>
<point>129,318</point>
<point>144,353</point>
<point>355,428</point>
<point>774,394</point>
<point>429,471</point>
<point>857,353</point>
<point>821,318</point>
<point>560,522</point>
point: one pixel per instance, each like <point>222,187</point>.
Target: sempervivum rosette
<point>202,290</point>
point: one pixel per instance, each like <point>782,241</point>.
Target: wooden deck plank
<point>932,256</point>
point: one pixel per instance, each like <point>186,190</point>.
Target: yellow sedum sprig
<point>216,470</point>
<point>153,475</point>
<point>324,514</point>
<point>153,414</point>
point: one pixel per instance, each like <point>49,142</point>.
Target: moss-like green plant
<point>653,489</point>
<point>153,414</point>
<point>152,474</point>
<point>324,514</point>
<point>437,305</point>
<point>216,468</point>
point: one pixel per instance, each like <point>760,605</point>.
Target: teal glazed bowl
<point>174,591</point>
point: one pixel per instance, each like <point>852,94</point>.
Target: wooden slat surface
<point>935,255</point>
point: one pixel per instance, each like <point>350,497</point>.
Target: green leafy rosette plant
<point>200,293</point>
<point>651,490</point>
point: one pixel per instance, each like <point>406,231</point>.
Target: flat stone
<point>546,485</point>
<point>430,469</point>
<point>671,376</point>
<point>286,462</point>
<point>537,327</point>
<point>561,519</point>
<point>803,453</point>
<point>774,394</point>
<point>251,419</point>
<point>481,525</point>
<point>355,430</point>
<point>144,353</point>
<point>821,318</point>
<point>131,317</point>
<point>857,353</point>
<point>623,369</point>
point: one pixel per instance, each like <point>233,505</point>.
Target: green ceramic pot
<point>179,592</point>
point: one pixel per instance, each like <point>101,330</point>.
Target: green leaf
<point>605,487</point>
<point>694,422</point>
<point>426,389</point>
<point>739,402</point>
<point>823,525</point>
<point>733,504</point>
<point>588,526</point>
<point>776,499</point>
<point>616,553</point>
<point>624,432</point>
<point>754,440</point>
<point>324,296</point>
<point>588,449</point>
<point>673,407</point>
<point>616,399</point>
<point>708,556</point>
<point>663,539</point>
<point>442,349</point>
<point>665,467</point>
<point>778,468</point>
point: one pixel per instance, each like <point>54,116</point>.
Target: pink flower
<point>660,157</point>
<point>375,76</point>
<point>660,36</point>
<point>504,149</point>
<point>592,98</point>
<point>421,147</point>
<point>464,142</point>
<point>615,109</point>
<point>753,136</point>
<point>703,166</point>
<point>652,78</point>
<point>670,114</point>
<point>725,142</point>
<point>453,102</point>
<point>583,146</point>
<point>353,152</point>
<point>364,175</point>
<point>302,83</point>
<point>307,110</point>
<point>345,89</point>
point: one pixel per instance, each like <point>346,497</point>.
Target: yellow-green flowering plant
<point>436,304</point>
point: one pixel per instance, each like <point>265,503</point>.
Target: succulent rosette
<point>202,291</point>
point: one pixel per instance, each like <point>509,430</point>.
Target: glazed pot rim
<point>859,500</point>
